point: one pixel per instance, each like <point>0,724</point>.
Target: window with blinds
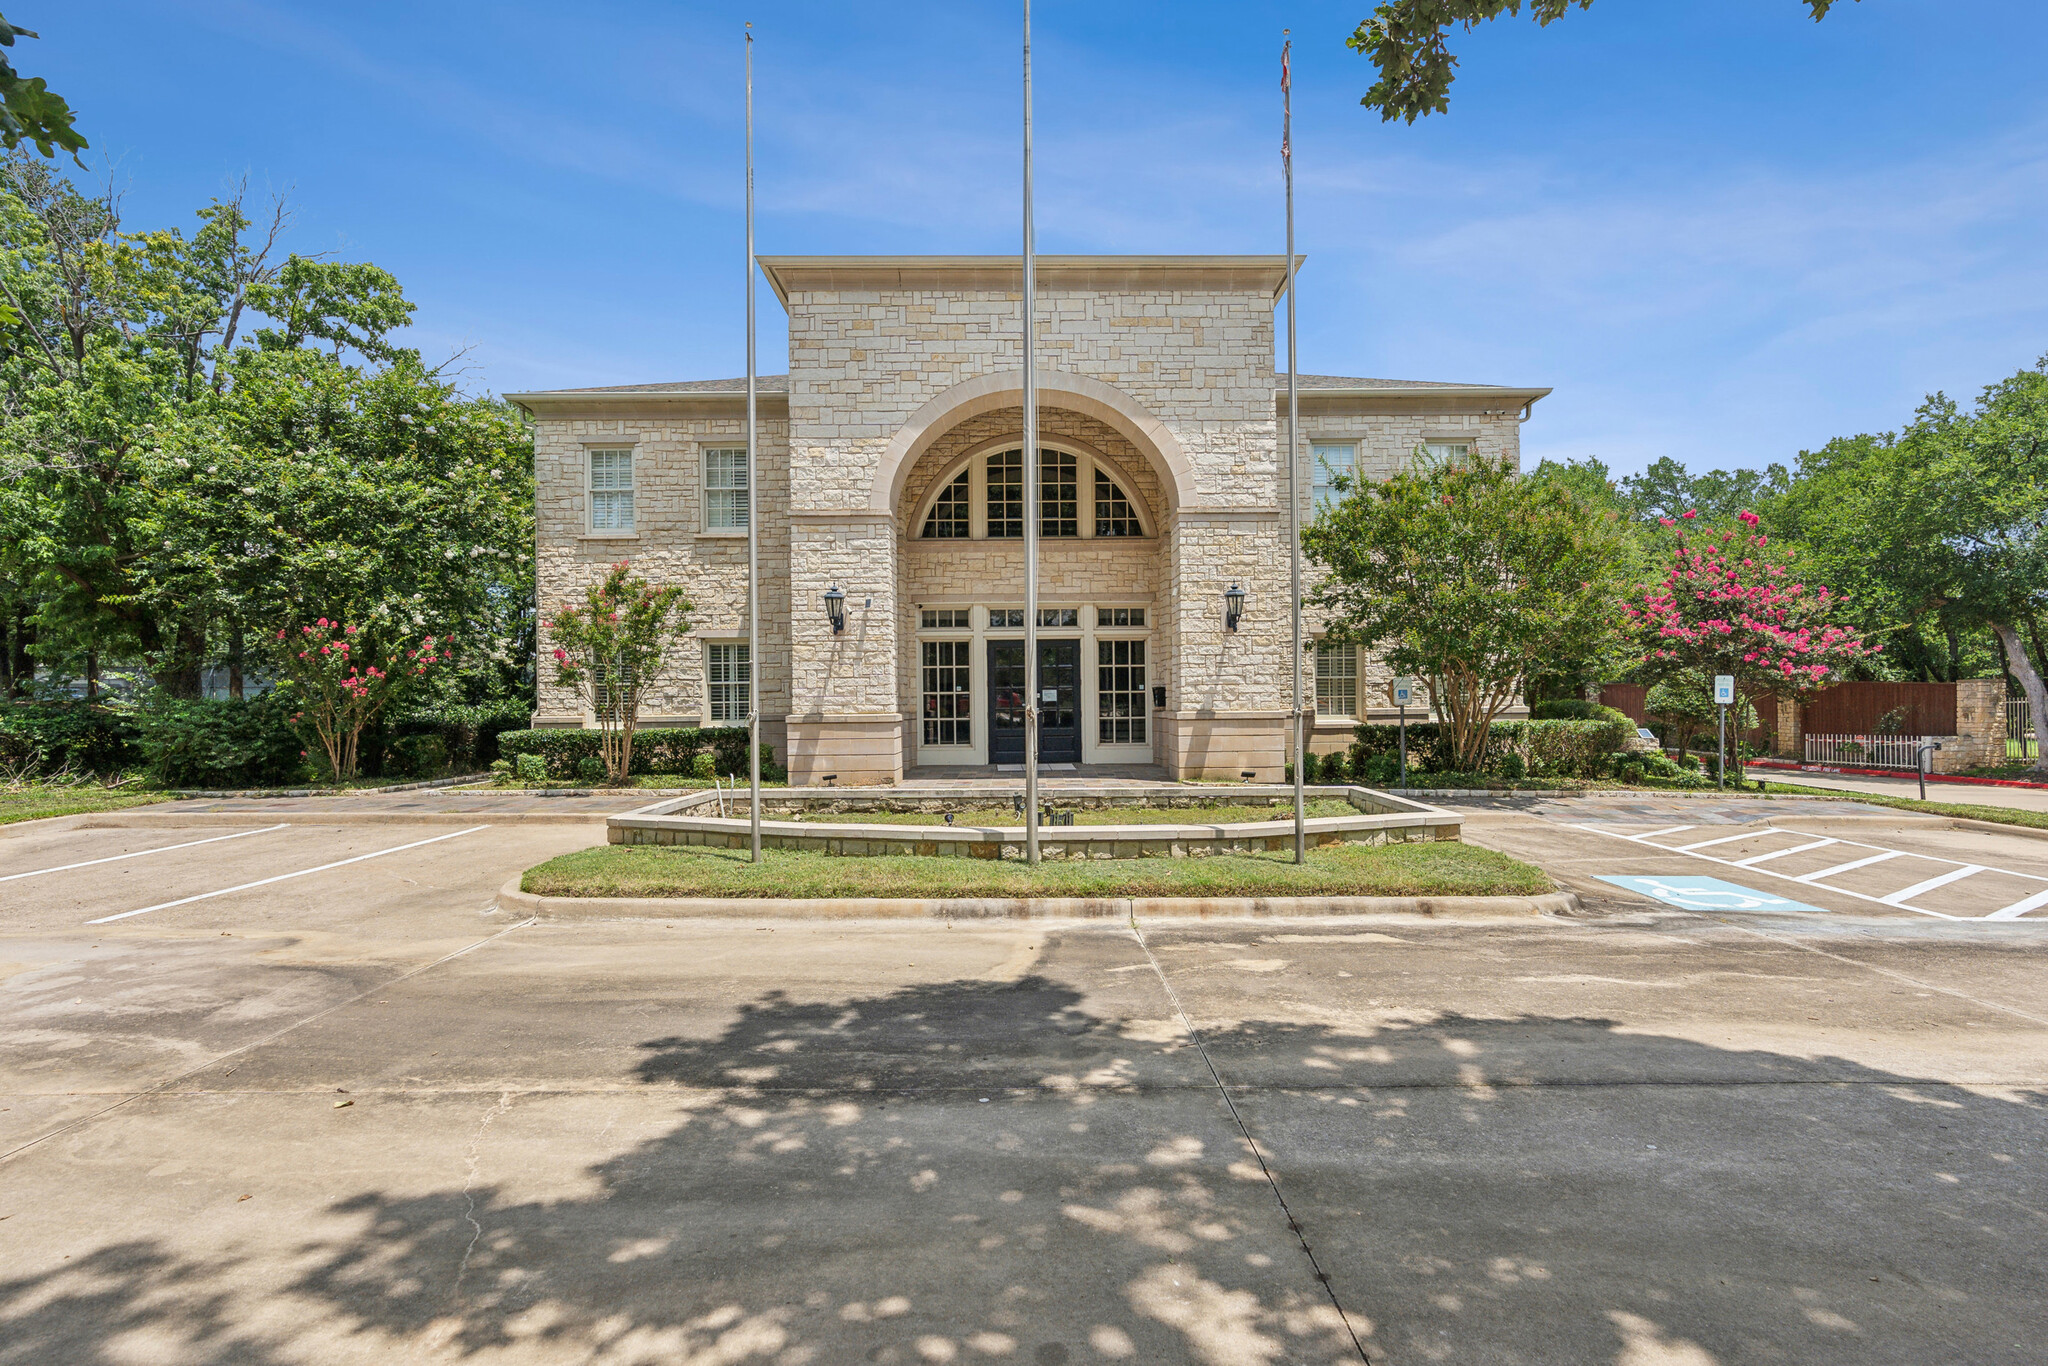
<point>1336,680</point>
<point>728,672</point>
<point>611,490</point>
<point>726,496</point>
<point>1332,462</point>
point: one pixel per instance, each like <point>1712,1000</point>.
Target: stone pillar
<point>1227,715</point>
<point>1789,735</point>
<point>1980,725</point>
<point>844,719</point>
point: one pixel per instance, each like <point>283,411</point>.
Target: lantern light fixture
<point>1233,607</point>
<point>835,608</point>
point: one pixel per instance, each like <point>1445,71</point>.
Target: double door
<point>1059,718</point>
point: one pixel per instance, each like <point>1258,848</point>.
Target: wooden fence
<point>1882,709</point>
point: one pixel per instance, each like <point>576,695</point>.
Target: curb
<point>259,793</point>
<point>143,817</point>
<point>572,908</point>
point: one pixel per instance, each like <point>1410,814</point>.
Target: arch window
<point>1079,496</point>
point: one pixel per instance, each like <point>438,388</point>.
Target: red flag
<point>1283,64</point>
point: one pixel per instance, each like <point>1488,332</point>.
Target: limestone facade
<point>905,385</point>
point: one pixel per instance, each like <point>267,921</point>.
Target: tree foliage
<point>611,646</point>
<point>1405,40</point>
<point>1472,577</point>
<point>201,443</point>
<point>29,110</point>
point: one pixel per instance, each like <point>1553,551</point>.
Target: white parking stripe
<point>1725,839</point>
<point>1765,872</point>
<point>2020,908</point>
<point>1781,853</point>
<point>116,858</point>
<point>1676,829</point>
<point>1853,864</point>
<point>1956,875</point>
<point>285,877</point>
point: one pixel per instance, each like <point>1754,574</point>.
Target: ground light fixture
<point>1233,607</point>
<point>835,608</point>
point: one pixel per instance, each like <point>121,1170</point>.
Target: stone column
<point>1227,715</point>
<point>1980,726</point>
<point>844,718</point>
<point>1790,736</point>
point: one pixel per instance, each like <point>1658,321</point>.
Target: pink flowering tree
<point>610,647</point>
<point>341,681</point>
<point>1732,603</point>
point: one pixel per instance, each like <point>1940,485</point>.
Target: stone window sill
<point>739,534</point>
<point>609,536</point>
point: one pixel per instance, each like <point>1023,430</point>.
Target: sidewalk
<point>1970,794</point>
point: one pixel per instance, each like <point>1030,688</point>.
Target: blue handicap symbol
<point>1709,894</point>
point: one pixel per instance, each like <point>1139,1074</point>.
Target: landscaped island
<point>1436,868</point>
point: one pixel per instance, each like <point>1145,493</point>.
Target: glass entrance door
<point>1059,727</point>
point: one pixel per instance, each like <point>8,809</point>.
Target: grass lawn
<point>36,802</point>
<point>1219,814</point>
<point>1441,868</point>
<point>2003,815</point>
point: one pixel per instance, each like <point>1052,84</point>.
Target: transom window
<point>1336,680</point>
<point>1119,616</point>
<point>1059,616</point>
<point>1005,618</point>
<point>1120,702</point>
<point>1077,498</point>
<point>1330,462</point>
<point>948,696</point>
<point>725,489</point>
<point>948,520</point>
<point>611,490</point>
<point>943,619</point>
<point>728,671</point>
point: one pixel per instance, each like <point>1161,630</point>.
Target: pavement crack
<point>1272,1182</point>
<point>475,1158</point>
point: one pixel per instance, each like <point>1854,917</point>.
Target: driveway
<point>354,1115</point>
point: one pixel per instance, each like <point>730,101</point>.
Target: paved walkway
<point>1974,794</point>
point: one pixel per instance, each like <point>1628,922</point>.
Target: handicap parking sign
<point>1710,894</point>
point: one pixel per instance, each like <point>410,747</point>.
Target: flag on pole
<point>1286,85</point>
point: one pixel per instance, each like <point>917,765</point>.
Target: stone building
<point>890,469</point>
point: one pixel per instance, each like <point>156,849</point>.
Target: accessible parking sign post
<point>1724,693</point>
<point>1404,693</point>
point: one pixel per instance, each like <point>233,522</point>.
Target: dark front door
<point>1059,722</point>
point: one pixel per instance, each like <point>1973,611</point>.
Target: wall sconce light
<point>835,608</point>
<point>1233,607</point>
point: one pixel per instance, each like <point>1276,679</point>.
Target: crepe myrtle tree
<point>610,646</point>
<point>341,677</point>
<point>1460,571</point>
<point>1729,602</point>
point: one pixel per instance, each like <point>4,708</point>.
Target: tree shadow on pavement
<point>982,1171</point>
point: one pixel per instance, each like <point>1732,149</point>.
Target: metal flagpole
<point>1031,679</point>
<point>1297,740</point>
<point>753,507</point>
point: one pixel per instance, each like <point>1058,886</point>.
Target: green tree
<point>1474,578</point>
<point>29,110</point>
<point>1405,40</point>
<point>1949,515</point>
<point>610,648</point>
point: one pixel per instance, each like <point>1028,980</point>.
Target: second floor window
<point>1329,462</point>
<point>725,490</point>
<point>611,490</point>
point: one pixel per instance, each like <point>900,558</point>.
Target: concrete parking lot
<point>350,1113</point>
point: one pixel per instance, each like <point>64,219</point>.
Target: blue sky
<point>1721,231</point>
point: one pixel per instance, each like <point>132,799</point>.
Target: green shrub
<point>590,769</point>
<point>221,743</point>
<point>1564,709</point>
<point>1513,767</point>
<point>657,749</point>
<point>1547,749</point>
<point>1335,768</point>
<point>423,754</point>
<point>531,768</point>
<point>1377,770</point>
<point>501,767</point>
<point>704,766</point>
<point>51,736</point>
<point>468,736</point>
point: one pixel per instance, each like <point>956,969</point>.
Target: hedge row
<point>225,743</point>
<point>656,749</point>
<point>1539,749</point>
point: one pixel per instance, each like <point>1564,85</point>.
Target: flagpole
<point>1031,679</point>
<point>753,508</point>
<point>1298,740</point>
